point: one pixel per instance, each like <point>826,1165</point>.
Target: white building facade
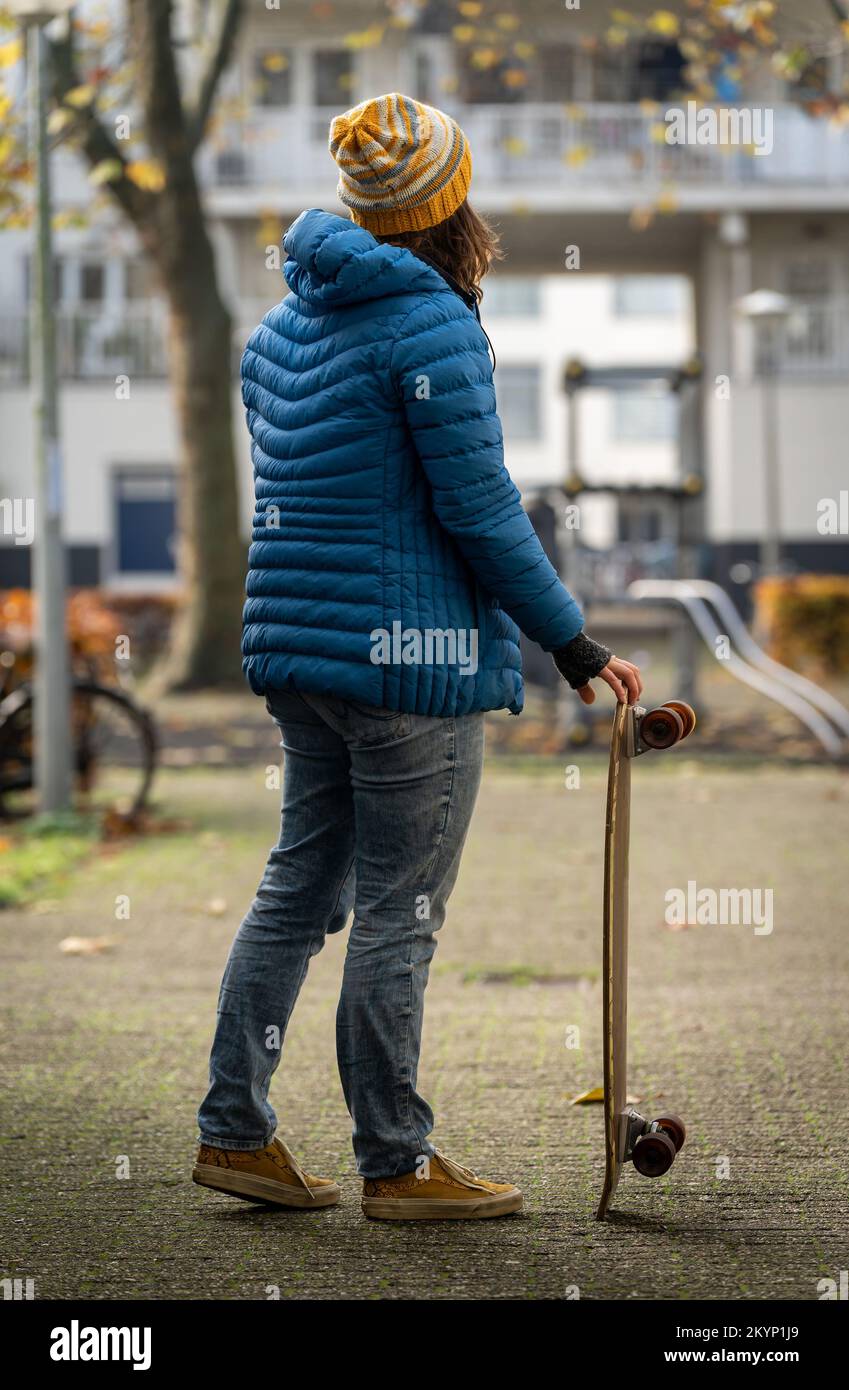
<point>572,158</point>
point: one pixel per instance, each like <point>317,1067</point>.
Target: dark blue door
<point>146,521</point>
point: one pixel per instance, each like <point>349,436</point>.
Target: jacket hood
<point>332,261</point>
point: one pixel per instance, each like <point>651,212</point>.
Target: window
<point>145,516</point>
<point>487,79</point>
<point>518,391</point>
<point>649,296</point>
<point>512,296</point>
<point>658,73</point>
<point>644,417</point>
<point>423,70</point>
<point>332,76</point>
<point>92,282</point>
<point>273,77</point>
<point>555,76</point>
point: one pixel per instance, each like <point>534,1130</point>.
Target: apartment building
<point>569,154</point>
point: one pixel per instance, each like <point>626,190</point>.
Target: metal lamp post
<point>52,742</point>
<point>767,309</point>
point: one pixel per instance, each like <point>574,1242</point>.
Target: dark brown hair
<point>463,245</point>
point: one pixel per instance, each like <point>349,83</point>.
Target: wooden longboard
<point>627,1135</point>
<point>617,825</point>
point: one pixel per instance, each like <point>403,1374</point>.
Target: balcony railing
<point>98,343</point>
<point>812,342</point>
<point>532,145</point>
<point>91,343</point>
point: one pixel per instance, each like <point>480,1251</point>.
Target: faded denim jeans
<point>376,806</point>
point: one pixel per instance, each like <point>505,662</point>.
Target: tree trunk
<point>205,644</point>
<point>204,648</point>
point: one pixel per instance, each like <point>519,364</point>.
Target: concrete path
<point>743,1033</point>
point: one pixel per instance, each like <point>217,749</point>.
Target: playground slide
<point>826,718</point>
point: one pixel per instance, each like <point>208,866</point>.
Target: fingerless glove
<point>580,660</point>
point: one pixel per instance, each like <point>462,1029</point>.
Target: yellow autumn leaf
<point>106,171</point>
<point>147,174</point>
<point>365,38</point>
<point>523,49</point>
<point>616,36</point>
<point>664,22</point>
<point>70,219</point>
<point>514,78</point>
<point>275,62</point>
<point>463,33</point>
<point>578,155</point>
<point>667,201</point>
<point>658,132</point>
<point>11,53</point>
<point>470,9</point>
<point>588,1097</point>
<point>268,230</point>
<point>640,219</point>
<point>513,145</point>
<point>484,58</point>
<point>79,97</point>
<point>507,21</point>
<point>58,119</point>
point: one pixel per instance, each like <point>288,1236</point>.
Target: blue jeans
<point>376,806</point>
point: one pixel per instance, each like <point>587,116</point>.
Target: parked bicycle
<point>114,743</point>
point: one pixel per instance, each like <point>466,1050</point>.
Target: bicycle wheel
<point>114,755</point>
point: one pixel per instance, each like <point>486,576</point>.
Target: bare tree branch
<point>157,84</point>
<point>220,51</point>
<point>96,143</point>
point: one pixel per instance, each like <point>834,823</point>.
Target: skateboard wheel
<point>660,728</point>
<point>674,1126</point>
<point>654,1154</point>
<point>687,713</point>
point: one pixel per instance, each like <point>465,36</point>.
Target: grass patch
<point>38,856</point>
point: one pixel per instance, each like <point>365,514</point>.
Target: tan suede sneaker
<point>447,1192</point>
<point>263,1175</point>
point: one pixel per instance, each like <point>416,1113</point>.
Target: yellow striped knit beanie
<point>403,166</point>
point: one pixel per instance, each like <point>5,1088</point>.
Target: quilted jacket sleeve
<point>441,368</point>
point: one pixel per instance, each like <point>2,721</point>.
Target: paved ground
<point>745,1035</point>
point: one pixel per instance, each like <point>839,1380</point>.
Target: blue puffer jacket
<point>384,513</point>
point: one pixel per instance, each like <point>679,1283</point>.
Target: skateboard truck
<point>651,1145</point>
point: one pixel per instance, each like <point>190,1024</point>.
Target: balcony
<point>92,343</point>
<point>607,153</point>
<point>811,344</point>
<point>101,343</point>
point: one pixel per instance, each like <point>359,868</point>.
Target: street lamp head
<point>764,305</point>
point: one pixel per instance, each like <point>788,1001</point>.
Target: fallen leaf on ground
<point>588,1097</point>
<point>85,945</point>
<point>597,1094</point>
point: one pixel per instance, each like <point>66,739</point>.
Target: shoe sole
<point>263,1189</point>
<point>441,1208</point>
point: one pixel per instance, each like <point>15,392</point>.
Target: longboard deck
<point>615,950</point>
